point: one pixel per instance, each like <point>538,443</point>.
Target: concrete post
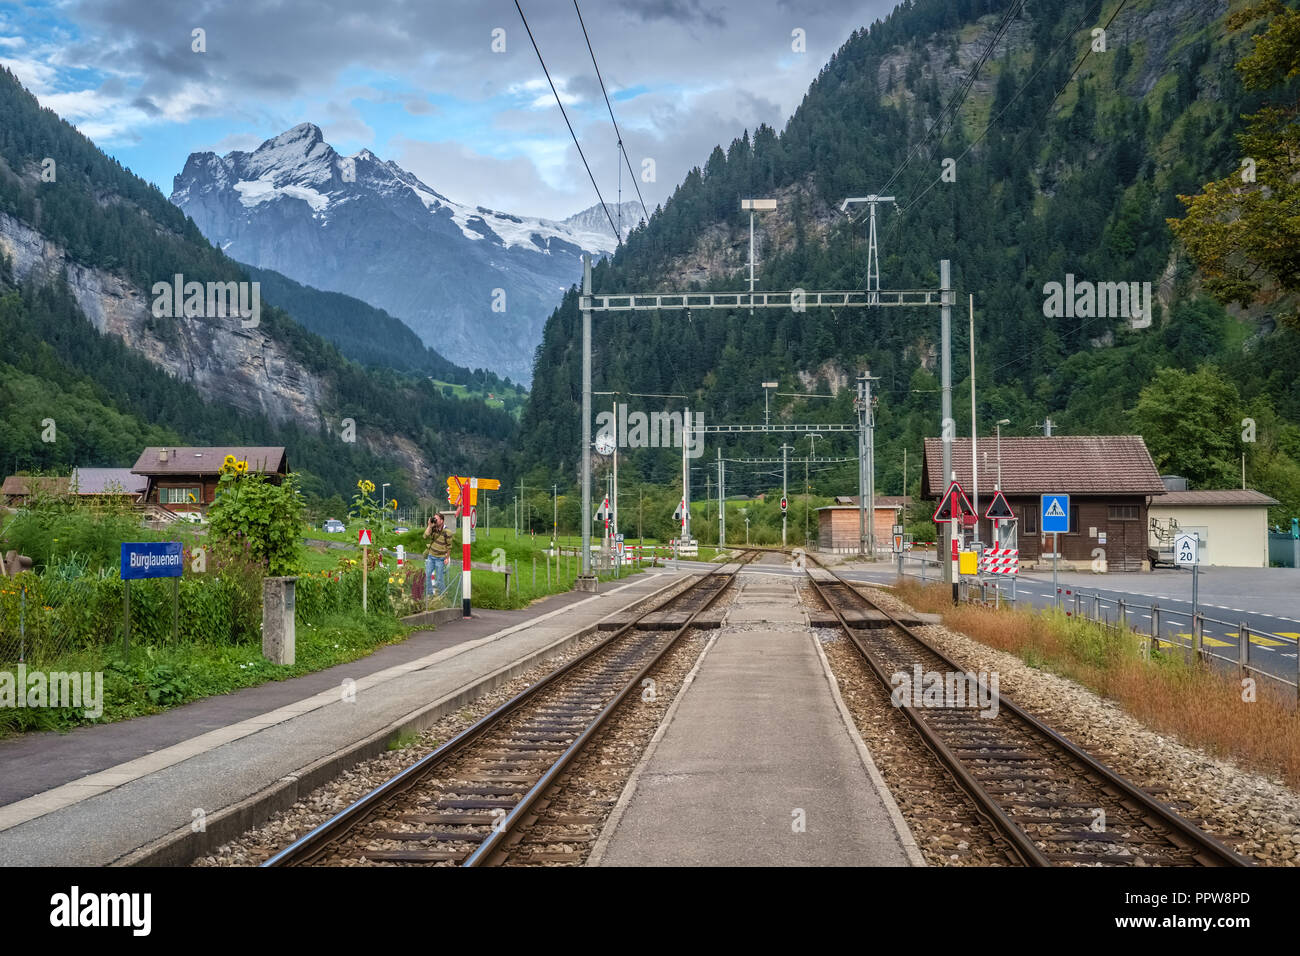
<point>278,632</point>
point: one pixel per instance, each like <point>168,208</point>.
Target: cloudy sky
<point>419,82</point>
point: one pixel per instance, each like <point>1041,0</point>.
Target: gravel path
<point>1257,816</point>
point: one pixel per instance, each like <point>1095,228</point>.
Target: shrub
<point>250,511</point>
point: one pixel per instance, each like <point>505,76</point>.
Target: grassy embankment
<point>1201,706</point>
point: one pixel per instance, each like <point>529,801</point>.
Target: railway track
<point>1054,804</point>
<point>472,801</point>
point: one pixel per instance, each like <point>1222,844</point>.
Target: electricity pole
<point>866,467</point>
<point>754,205</point>
<point>586,582</point>
<point>873,255</point>
<point>722,502</point>
<point>785,449</point>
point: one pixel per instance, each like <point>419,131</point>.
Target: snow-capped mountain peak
<point>367,227</point>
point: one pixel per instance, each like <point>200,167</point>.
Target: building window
<point>1031,519</point>
<point>180,496</point>
<point>1123,512</point>
<point>1074,520</point>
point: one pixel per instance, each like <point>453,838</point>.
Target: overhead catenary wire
<point>618,238</point>
<point>617,131</point>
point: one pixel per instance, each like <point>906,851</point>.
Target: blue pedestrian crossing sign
<point>1056,514</point>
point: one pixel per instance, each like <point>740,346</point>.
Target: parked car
<point>194,517</point>
<point>401,529</point>
<point>334,526</point>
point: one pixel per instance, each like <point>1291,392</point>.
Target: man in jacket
<point>437,552</point>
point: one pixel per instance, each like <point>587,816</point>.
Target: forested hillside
<point>1056,172</point>
<point>109,400</point>
<point>365,334</point>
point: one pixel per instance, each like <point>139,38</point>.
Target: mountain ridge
<point>474,283</point>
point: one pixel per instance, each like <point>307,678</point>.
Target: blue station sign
<point>152,559</point>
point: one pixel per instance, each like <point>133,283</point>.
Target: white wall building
<point>1232,524</point>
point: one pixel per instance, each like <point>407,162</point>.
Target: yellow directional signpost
<point>462,493</point>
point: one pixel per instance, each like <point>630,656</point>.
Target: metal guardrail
<point>1116,614</point>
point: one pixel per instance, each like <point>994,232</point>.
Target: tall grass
<point>1201,706</point>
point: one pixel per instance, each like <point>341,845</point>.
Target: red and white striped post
<point>464,543</point>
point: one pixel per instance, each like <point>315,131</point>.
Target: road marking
<point>1261,641</point>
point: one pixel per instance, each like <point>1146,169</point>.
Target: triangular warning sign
<point>999,507</point>
<point>603,511</point>
<point>681,506</point>
<point>954,504</point>
<point>363,538</point>
<point>1054,510</point>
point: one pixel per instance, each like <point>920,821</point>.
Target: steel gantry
<point>797,300</point>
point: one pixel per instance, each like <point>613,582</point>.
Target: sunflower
<point>241,467</point>
<point>228,461</point>
<point>361,483</point>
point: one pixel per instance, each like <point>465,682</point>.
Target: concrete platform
<point>757,743</point>
<point>127,792</point>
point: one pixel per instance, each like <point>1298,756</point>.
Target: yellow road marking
<point>1261,641</point>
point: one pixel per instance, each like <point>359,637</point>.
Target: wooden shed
<point>1110,479</point>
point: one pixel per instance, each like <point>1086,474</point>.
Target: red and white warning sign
<point>363,538</point>
<point>1001,561</point>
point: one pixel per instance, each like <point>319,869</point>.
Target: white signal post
<point>364,539</point>
<point>465,568</point>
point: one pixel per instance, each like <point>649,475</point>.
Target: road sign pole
<point>1196,568</point>
<point>365,570</point>
<point>952,565</point>
<point>1056,553</point>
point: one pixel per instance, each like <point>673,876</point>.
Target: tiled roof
<point>99,481</point>
<point>1062,464</point>
<point>882,501</point>
<point>1241,497</point>
<point>207,461</point>
<point>23,485</point>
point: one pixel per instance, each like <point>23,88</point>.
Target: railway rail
<point>1053,803</point>
<point>472,801</point>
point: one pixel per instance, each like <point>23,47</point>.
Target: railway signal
<point>952,508</point>
<point>463,494</point>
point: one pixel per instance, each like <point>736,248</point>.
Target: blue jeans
<point>436,568</point>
